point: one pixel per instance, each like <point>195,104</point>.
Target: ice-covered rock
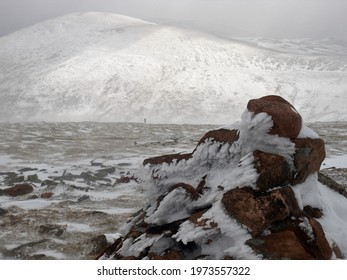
<point>234,196</point>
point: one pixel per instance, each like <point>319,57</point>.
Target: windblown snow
<point>107,67</point>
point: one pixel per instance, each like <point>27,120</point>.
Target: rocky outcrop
<point>234,195</point>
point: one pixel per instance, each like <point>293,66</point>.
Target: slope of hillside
<point>106,67</point>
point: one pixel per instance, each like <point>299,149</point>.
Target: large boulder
<point>296,238</point>
<point>259,212</point>
<point>287,121</point>
<point>274,171</point>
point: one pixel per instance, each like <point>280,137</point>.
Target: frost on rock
<point>234,196</point>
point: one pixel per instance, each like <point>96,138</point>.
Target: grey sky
<point>276,18</point>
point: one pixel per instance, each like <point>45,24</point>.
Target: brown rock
<point>50,229</point>
<point>287,121</point>
<point>319,247</point>
<point>19,189</point>
<point>170,254</point>
<point>46,195</point>
<point>308,158</point>
<point>133,234</point>
<point>202,185</point>
<point>313,212</point>
<point>280,245</point>
<point>111,250</point>
<point>257,213</point>
<point>221,135</point>
<point>337,251</point>
<point>310,234</point>
<point>166,159</point>
<point>125,179</point>
<point>128,258</point>
<point>204,223</point>
<point>274,171</point>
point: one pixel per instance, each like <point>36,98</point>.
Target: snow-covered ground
<point>107,67</point>
<point>65,226</point>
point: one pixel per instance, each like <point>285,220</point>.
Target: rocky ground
<point>66,215</point>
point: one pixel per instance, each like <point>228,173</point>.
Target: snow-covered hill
<point>106,67</point>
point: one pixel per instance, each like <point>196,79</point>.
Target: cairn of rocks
<point>233,196</point>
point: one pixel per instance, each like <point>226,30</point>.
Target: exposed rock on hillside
<point>235,195</point>
<point>18,189</point>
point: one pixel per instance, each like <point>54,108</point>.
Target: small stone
<point>202,185</point>
<point>170,254</point>
<point>34,178</point>
<point>46,195</point>
<point>38,257</point>
<point>48,182</point>
<point>108,170</point>
<point>13,178</point>
<point>88,177</point>
<point>196,219</point>
<point>3,212</point>
<point>313,212</point>
<point>26,169</point>
<point>51,229</point>
<point>125,179</point>
<point>83,198</point>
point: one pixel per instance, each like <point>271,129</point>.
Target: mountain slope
<point>106,67</point>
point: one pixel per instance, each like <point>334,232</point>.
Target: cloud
<point>275,18</point>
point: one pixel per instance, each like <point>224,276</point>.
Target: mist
<point>231,18</point>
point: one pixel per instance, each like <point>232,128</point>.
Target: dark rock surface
<point>18,189</point>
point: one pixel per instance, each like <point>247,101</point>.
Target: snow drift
<point>106,67</point>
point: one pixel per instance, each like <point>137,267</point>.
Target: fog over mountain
<point>269,18</point>
<point>107,67</point>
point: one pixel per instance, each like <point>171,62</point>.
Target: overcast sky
<point>275,18</point>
